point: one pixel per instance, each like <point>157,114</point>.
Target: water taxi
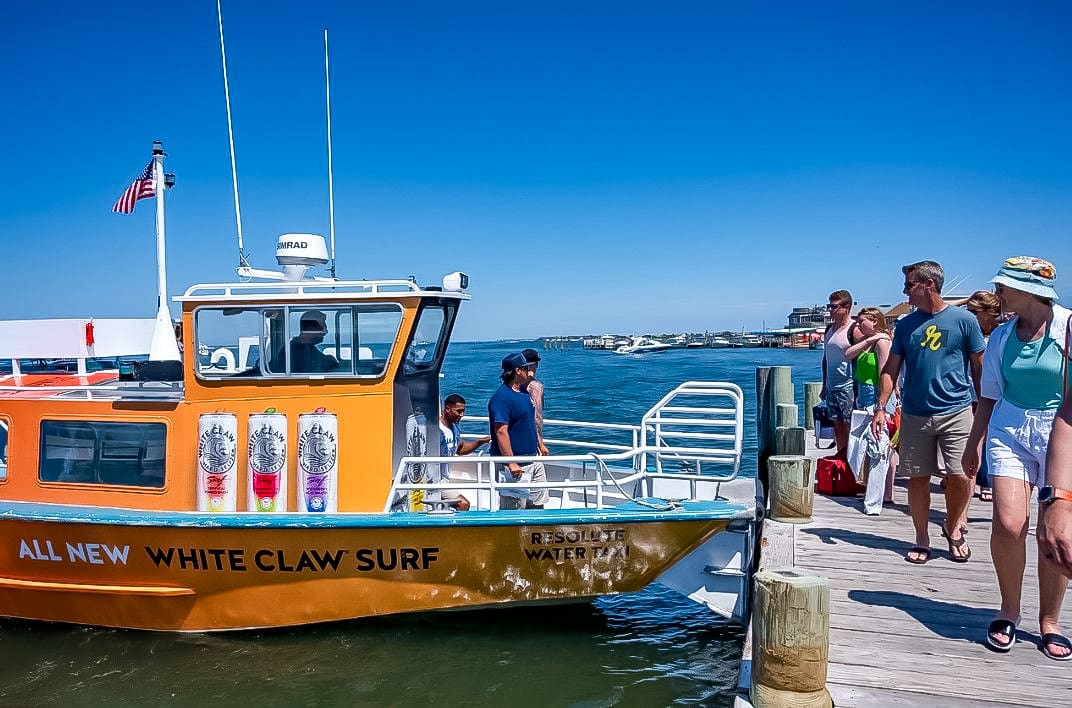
<point>283,470</point>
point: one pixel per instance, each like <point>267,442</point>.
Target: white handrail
<point>674,430</point>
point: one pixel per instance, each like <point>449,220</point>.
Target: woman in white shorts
<point>1024,381</point>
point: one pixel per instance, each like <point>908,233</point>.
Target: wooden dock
<point>912,635</point>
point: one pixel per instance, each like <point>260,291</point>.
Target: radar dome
<point>297,252</point>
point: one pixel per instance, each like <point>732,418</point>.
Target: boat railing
<point>605,434</point>
<point>690,440</point>
<point>298,290</point>
<point>697,414</point>
<point>604,482</point>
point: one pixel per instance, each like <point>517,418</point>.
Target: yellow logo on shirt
<point>932,337</point>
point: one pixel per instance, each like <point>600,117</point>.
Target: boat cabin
<point>286,380</point>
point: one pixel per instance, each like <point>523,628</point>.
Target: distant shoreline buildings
<point>804,330</point>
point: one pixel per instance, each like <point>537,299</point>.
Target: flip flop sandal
<point>959,543</point>
<point>919,550</point>
<point>1058,639</point>
<point>1006,627</point>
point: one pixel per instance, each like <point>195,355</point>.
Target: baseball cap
<point>513,361</point>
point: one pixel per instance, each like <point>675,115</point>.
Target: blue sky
<point>594,166</point>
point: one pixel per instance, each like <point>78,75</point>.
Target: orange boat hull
<point>293,572</point>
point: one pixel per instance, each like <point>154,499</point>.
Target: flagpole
<point>164,346</point>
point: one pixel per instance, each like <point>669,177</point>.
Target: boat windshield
<point>430,336</point>
<point>333,340</point>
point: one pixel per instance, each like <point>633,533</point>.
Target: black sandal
<point>1059,640</point>
<point>1006,627</point>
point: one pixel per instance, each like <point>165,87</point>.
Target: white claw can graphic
<point>267,465</point>
<point>318,462</point>
<point>217,462</point>
<point>418,472</point>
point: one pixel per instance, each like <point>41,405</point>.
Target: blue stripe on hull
<point>629,512</point>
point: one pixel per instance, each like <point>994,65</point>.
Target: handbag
<point>834,478</point>
<point>824,426</point>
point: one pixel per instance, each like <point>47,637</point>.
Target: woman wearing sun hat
<point>1025,372</point>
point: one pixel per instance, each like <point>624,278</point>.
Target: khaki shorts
<point>922,437</point>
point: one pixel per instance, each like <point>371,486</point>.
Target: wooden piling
<point>812,389</point>
<point>785,415</point>
<point>764,429</point>
<point>792,488</point>
<point>781,386</point>
<point>790,639</point>
<point>789,441</point>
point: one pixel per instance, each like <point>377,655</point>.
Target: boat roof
<point>307,290</point>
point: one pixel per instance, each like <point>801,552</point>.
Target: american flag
<point>141,188</point>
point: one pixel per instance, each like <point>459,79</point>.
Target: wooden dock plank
<point>912,635</point>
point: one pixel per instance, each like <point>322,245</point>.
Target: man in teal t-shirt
<point>941,348</point>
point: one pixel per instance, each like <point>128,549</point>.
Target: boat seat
<point>158,371</point>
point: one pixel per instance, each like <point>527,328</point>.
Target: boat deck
<point>96,385</point>
<point>912,635</point>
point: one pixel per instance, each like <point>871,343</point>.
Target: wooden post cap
<point>790,638</point>
<point>792,487</point>
<point>785,415</point>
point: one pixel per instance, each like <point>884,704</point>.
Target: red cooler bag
<point>834,477</point>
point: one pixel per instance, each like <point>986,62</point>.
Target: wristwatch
<point>1048,495</point>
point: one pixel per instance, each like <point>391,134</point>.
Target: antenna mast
<point>331,185</point>
<point>230,138</point>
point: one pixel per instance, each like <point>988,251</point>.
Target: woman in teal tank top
<point>1023,384</point>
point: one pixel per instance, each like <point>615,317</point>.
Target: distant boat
<point>696,344</point>
<point>720,343</point>
<point>746,340</point>
<point>643,345</point>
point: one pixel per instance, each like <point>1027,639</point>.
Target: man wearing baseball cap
<point>513,434</point>
<point>535,390</point>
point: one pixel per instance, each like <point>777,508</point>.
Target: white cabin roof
<point>312,290</point>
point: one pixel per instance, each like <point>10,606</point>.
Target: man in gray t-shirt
<point>838,393</point>
<point>941,348</point>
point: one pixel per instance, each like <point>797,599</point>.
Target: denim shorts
<point>839,403</point>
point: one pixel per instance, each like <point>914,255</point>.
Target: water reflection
<point>647,648</point>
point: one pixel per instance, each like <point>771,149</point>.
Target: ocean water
<point>651,648</point>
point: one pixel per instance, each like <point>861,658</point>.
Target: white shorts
<point>1016,442</point>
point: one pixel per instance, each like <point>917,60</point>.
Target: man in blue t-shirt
<point>941,348</point>
<point>513,434</point>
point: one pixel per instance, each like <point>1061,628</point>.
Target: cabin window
<point>429,341</point>
<point>93,452</point>
<point>297,341</point>
<point>5,425</point>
